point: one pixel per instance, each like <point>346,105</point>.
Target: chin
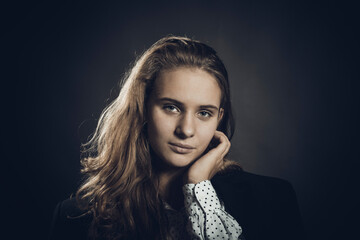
<point>180,161</point>
<point>173,160</point>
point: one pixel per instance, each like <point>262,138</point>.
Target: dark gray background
<point>292,73</point>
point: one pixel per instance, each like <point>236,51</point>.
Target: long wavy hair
<point>120,189</point>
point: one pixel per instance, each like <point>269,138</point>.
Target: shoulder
<point>70,209</point>
<point>239,180</point>
<point>260,204</point>
<point>70,221</point>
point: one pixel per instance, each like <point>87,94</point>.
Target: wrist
<point>191,179</point>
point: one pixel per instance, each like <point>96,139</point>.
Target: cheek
<point>206,133</point>
<point>159,127</point>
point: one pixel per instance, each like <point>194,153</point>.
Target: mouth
<point>181,148</point>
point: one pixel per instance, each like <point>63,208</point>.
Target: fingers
<point>224,143</point>
<point>211,162</point>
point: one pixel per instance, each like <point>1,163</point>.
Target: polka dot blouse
<point>204,216</point>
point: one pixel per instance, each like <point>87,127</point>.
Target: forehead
<point>188,85</point>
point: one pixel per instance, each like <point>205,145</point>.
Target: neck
<point>170,186</point>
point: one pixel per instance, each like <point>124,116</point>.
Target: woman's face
<point>183,114</point>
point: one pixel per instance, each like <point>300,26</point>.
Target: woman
<point>156,148</point>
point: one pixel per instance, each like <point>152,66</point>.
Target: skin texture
<point>179,112</point>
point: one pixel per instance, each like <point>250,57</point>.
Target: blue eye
<point>171,108</point>
<point>205,114</point>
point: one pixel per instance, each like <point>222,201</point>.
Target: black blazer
<point>265,207</point>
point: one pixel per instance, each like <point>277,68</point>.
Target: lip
<point>181,148</point>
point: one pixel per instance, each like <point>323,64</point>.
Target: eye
<point>171,108</point>
<point>205,114</point>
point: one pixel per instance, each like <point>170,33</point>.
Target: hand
<point>210,163</point>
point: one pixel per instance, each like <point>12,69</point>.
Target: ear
<point>220,115</point>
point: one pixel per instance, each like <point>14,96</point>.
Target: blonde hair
<point>120,188</point>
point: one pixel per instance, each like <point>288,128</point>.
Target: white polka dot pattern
<point>207,218</point>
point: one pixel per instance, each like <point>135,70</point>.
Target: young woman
<point>156,167</point>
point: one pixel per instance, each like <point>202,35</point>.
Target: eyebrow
<point>181,104</point>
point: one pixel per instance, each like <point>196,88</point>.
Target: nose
<point>186,126</point>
